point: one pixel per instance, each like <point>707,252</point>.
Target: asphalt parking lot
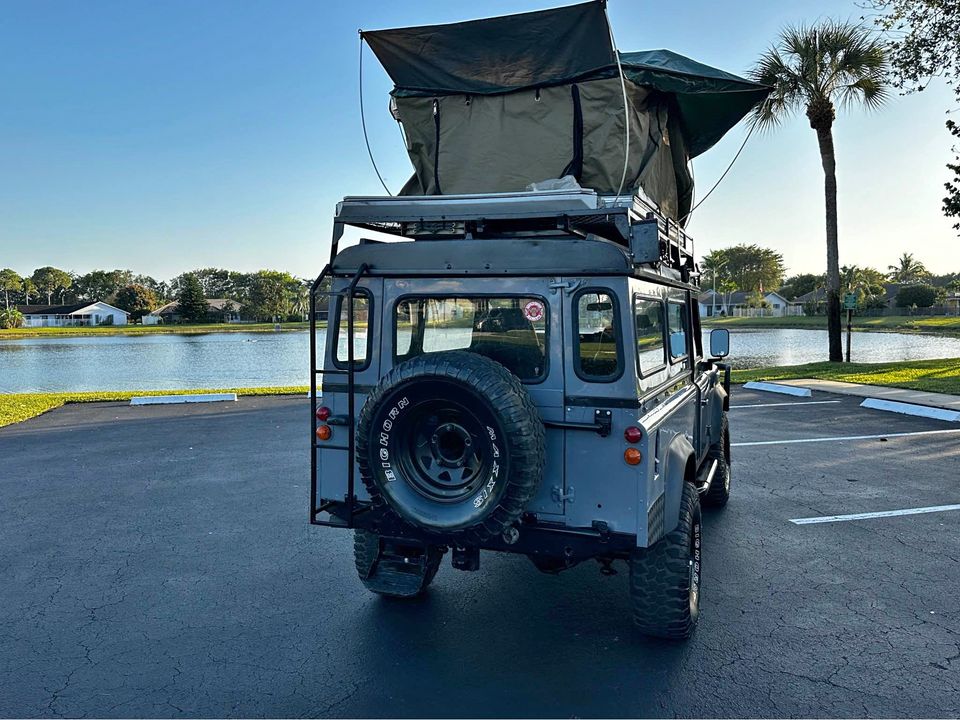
<point>157,561</point>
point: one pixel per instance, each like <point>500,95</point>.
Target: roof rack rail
<point>627,220</point>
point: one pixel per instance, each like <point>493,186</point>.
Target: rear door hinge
<point>560,496</point>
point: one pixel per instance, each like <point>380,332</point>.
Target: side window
<point>677,325</point>
<point>597,351</point>
<point>361,336</point>
<point>648,316</point>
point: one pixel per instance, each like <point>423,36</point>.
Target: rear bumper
<point>535,539</point>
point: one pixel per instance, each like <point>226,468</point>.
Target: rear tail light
<point>632,456</point>
<point>323,412</point>
<point>324,432</point>
<point>633,434</point>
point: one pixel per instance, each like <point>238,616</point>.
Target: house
<point>815,301</point>
<point>218,310</point>
<point>85,313</point>
<point>739,303</point>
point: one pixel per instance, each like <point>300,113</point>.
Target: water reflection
<point>238,359</point>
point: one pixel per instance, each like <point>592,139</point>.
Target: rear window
<point>510,330</point>
<point>597,354</point>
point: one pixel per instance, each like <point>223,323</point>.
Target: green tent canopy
<point>494,105</point>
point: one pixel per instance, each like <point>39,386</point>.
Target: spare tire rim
<point>447,458</point>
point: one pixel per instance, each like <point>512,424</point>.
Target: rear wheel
<point>665,578</point>
<point>392,567</point>
<point>719,492</point>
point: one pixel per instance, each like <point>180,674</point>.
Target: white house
<point>97,313</point>
<point>737,304</point>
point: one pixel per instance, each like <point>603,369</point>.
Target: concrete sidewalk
<point>917,397</point>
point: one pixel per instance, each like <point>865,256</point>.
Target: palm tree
<point>816,69</point>
<point>907,270</point>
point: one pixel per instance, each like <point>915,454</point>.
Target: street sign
<point>850,301</point>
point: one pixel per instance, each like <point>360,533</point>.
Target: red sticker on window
<point>533,311</point>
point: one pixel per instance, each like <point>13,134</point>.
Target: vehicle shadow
<point>509,641</point>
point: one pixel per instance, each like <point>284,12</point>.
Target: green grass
<point>938,325</point>
<point>151,329</point>
<point>941,376</point>
<point>17,407</point>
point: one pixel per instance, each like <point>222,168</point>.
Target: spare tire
<point>452,444</point>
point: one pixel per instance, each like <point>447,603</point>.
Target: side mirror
<point>719,343</point>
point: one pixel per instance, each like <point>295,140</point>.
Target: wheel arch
<point>681,467</point>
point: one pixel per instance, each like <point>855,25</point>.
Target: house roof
<point>63,309</point>
<point>735,298</point>
<point>213,305</point>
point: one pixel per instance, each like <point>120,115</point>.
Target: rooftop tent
<point>494,105</point>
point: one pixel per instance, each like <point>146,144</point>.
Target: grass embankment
<point>936,325</point>
<point>18,333</point>
<point>940,376</point>
<point>17,407</point>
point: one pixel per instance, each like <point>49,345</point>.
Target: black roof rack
<point>629,221</point>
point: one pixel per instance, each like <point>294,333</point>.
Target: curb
<point>903,408</point>
<point>780,389</point>
<point>174,399</point>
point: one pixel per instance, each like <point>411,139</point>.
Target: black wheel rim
<point>445,454</point>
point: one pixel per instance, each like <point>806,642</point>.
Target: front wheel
<point>719,492</point>
<point>665,578</point>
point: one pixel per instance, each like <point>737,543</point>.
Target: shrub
<point>916,295</point>
<point>11,318</point>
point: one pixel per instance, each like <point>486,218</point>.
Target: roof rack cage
<point>627,220</point>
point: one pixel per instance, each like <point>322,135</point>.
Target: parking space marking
<point>868,516</point>
<point>844,437</point>
<point>781,404</point>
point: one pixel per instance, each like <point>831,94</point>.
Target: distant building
<point>78,314</point>
<point>737,304</point>
<point>218,310</point>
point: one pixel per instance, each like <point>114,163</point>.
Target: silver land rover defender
<point>521,369</point>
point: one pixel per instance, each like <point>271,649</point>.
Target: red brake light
<point>323,413</point>
<point>633,434</point>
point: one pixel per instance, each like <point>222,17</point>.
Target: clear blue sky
<point>164,136</point>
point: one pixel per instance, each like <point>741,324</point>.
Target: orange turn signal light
<point>324,432</point>
<point>632,456</point>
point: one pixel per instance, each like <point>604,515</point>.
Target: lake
<point>238,359</point>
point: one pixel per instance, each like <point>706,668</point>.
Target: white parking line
<point>801,402</point>
<point>845,437</point>
<point>867,516</point>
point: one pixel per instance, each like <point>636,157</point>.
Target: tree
<point>815,69</point>
<point>797,285</point>
<point>917,295</point>
<point>10,318</point>
<point>269,297</point>
<point>137,300</point>
<point>907,270</point>
<point>10,281</point>
<point>750,267</point>
<point>50,279</point>
<point>101,284</point>
<point>191,301</point>
<point>29,290</point>
<point>865,283</point>
<point>924,44</point>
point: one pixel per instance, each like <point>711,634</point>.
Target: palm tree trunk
<point>828,159</point>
